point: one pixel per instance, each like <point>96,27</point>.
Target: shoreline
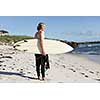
<point>94,58</point>
<point>16,66</point>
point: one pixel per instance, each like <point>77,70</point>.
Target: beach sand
<point>17,66</point>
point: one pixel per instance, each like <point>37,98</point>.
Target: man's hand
<point>44,53</point>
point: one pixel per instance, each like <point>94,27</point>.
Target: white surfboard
<point>51,46</point>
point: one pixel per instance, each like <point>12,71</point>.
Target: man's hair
<point>40,25</point>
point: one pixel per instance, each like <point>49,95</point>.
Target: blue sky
<point>71,28</point>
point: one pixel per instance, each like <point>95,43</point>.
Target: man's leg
<point>43,66</point>
<point>38,62</point>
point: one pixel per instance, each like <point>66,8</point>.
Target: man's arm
<point>42,43</point>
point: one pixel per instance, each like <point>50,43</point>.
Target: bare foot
<point>38,78</point>
<point>43,78</point>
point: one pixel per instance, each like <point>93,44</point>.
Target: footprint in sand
<point>12,68</point>
<point>91,72</point>
<point>4,65</point>
<point>1,61</point>
<point>1,54</point>
<point>85,75</point>
<point>63,66</point>
<point>72,69</point>
<point>97,72</point>
<point>29,72</point>
<point>21,72</point>
<point>97,79</point>
<point>17,69</point>
<point>3,69</point>
<point>7,57</point>
<point>21,69</point>
<point>78,69</point>
<point>56,63</point>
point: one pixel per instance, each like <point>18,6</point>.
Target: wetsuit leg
<point>43,66</point>
<point>38,62</point>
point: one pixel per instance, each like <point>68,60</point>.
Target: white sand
<point>64,68</point>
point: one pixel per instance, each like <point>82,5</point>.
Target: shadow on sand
<point>17,74</point>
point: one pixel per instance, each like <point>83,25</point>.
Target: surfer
<point>41,59</point>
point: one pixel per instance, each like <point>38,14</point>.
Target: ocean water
<point>92,51</point>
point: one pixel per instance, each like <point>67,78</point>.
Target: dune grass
<point>8,39</point>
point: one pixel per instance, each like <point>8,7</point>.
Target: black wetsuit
<point>44,62</point>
